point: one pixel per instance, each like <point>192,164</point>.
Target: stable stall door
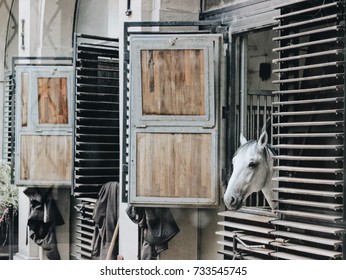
<point>43,125</point>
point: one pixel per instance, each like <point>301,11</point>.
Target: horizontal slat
<point>288,256</point>
<point>245,237</point>
<point>322,205</point>
<point>84,246</point>
<point>246,216</point>
<point>245,227</point>
<point>83,239</point>
<point>307,158</point>
<point>314,112</point>
<point>308,181</point>
<point>322,123</point>
<point>83,232</point>
<point>309,135</point>
<point>310,227</point>
<point>318,7</point>
<point>309,238</point>
<point>307,22</point>
<point>243,256</point>
<point>307,215</point>
<point>308,55</point>
<point>319,147</point>
<point>309,33</point>
<point>311,250</point>
<point>308,192</point>
<point>309,78</point>
<point>261,251</point>
<point>310,66</point>
<point>338,88</point>
<point>85,226</point>
<point>308,169</point>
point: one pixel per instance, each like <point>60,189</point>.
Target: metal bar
<point>299,12</point>
<point>308,181</point>
<point>306,22</point>
<point>308,169</point>
<point>310,78</point>
<point>310,90</point>
<point>322,123</point>
<point>308,226</point>
<point>308,44</point>
<point>94,37</point>
<point>308,33</point>
<point>308,192</point>
<point>315,112</point>
<point>309,55</point>
<point>314,216</point>
<point>243,85</point>
<point>301,202</point>
<point>307,158</point>
<point>318,147</point>
<point>311,66</point>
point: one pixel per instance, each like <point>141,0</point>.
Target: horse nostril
<point>233,200</point>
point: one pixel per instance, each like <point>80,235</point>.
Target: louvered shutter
<point>308,129</point>
<point>96,130</point>
<point>8,121</point>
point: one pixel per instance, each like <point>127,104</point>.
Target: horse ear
<point>242,139</point>
<point>263,139</point>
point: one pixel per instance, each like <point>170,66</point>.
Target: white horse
<point>252,172</point>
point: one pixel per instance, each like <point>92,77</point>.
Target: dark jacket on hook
<point>158,227</point>
<point>105,216</point>
<point>44,215</point>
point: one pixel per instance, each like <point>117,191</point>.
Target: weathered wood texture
<point>52,101</point>
<point>174,165</point>
<point>173,82</point>
<point>46,158</point>
<point>24,98</point>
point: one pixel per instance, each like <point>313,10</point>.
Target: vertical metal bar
<point>243,85</point>
<point>124,194</point>
<point>344,165</point>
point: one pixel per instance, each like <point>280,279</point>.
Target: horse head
<point>252,172</point>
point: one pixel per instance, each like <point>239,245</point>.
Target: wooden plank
<point>45,158</point>
<point>52,100</point>
<point>174,165</point>
<point>24,98</point>
<point>173,82</point>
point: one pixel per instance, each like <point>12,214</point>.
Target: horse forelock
<point>252,144</point>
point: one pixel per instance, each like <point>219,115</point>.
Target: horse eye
<point>252,164</point>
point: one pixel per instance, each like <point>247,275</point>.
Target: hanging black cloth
<point>105,216</point>
<point>158,227</point>
<point>44,216</point>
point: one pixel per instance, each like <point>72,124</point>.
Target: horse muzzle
<point>233,203</point>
